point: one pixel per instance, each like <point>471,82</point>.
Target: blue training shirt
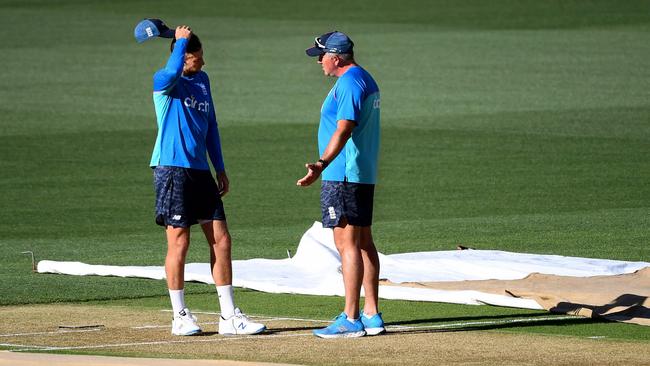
<point>355,97</point>
<point>187,123</point>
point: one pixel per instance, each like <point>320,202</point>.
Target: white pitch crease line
<point>400,327</point>
<point>51,332</point>
<point>262,337</point>
<point>168,326</point>
<point>223,339</point>
<point>298,319</point>
<point>259,317</point>
<point>150,326</point>
<point>153,326</point>
<point>193,312</point>
<point>28,346</point>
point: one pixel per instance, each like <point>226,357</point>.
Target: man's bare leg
<point>370,272</point>
<point>220,243</point>
<point>232,320</point>
<point>347,238</point>
<point>178,242</point>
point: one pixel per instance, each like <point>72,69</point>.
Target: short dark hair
<point>193,45</point>
<point>349,56</point>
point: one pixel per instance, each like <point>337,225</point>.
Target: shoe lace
<point>190,316</point>
<point>240,315</point>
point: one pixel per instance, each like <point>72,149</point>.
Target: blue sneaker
<point>342,328</point>
<point>374,325</point>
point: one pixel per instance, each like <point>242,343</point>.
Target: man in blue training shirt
<point>348,144</point>
<point>186,192</point>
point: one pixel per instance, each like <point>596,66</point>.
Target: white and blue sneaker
<point>184,324</point>
<point>342,328</point>
<point>239,324</point>
<point>373,325</point>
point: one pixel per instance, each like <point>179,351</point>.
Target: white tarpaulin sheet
<point>315,270</point>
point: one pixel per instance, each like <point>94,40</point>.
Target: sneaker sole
<point>244,333</point>
<point>375,331</point>
<point>342,335</point>
<point>194,332</point>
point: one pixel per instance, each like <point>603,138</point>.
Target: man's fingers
<point>183,31</point>
<point>305,181</point>
<point>310,177</point>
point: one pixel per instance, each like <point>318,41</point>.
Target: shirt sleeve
<point>213,140</point>
<point>165,78</point>
<point>349,96</point>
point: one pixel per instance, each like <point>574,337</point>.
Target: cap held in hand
<point>149,28</point>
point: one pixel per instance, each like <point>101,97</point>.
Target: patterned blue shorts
<point>186,196</point>
<point>354,201</point>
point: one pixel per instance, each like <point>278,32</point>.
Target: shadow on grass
<point>464,324</point>
<point>464,318</point>
<point>206,334</point>
<point>292,329</point>
<point>481,324</point>
<point>457,324</point>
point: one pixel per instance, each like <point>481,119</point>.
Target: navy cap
<point>149,28</point>
<point>332,42</point>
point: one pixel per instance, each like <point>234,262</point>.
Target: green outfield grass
<point>509,125</point>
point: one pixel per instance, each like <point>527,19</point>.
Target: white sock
<point>351,320</point>
<point>178,300</point>
<point>226,301</point>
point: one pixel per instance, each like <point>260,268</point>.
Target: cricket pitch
<point>121,331</point>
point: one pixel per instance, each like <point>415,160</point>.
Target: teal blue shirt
<point>187,124</point>
<point>354,97</point>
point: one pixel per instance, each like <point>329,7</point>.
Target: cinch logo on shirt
<point>190,102</point>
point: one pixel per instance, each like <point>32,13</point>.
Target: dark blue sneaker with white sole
<point>342,328</point>
<point>373,325</point>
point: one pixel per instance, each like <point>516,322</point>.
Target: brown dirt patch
<point>290,341</point>
<point>34,359</point>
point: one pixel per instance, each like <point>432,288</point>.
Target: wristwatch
<point>324,163</point>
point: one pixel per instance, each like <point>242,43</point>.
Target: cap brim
<point>167,33</point>
<point>314,51</point>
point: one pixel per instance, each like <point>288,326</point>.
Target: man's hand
<point>222,183</point>
<point>313,172</point>
<point>183,31</point>
<point>337,142</point>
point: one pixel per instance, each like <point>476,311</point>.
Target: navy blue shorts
<point>185,197</point>
<point>354,201</point>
